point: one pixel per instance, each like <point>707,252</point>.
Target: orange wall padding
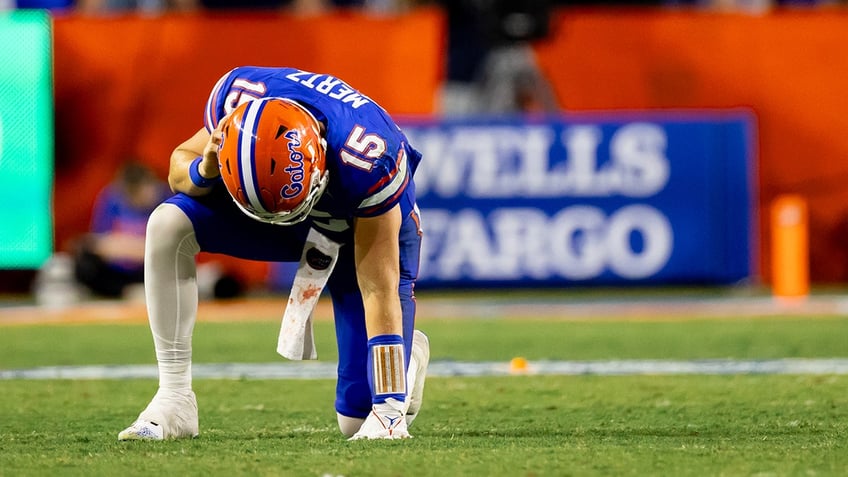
<point>136,86</point>
<point>790,67</point>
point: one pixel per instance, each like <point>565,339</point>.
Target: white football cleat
<point>417,374</point>
<point>384,422</point>
<point>170,415</point>
<point>142,430</point>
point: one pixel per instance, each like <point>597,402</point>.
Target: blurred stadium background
<point>567,144</point>
<point>609,187</point>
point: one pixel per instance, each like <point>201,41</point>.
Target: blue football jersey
<point>368,157</point>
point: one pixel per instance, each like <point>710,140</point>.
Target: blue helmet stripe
<point>247,155</point>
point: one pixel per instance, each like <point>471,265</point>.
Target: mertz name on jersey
<point>330,86</point>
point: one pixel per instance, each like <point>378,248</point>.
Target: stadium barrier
<point>133,85</point>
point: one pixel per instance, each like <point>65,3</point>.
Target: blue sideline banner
<point>609,200</point>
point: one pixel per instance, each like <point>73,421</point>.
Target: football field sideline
<point>469,306</point>
<point>325,370</point>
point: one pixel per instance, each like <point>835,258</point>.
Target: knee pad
<point>169,228</point>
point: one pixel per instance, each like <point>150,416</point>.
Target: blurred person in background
<point>491,68</point>
<point>108,260</point>
<point>111,256</point>
<point>96,7</point>
<point>55,6</point>
<point>99,7</point>
<point>312,7</point>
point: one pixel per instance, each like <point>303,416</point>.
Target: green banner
<point>26,139</point>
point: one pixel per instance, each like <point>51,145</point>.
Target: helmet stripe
<point>246,155</point>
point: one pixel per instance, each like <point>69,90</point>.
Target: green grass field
<point>525,425</point>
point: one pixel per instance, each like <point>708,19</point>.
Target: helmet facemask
<point>296,215</point>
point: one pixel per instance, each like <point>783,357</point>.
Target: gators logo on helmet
<point>272,160</point>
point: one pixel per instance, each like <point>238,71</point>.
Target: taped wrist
<point>386,368</point>
<point>196,178</point>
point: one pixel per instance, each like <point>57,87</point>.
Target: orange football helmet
<point>272,160</point>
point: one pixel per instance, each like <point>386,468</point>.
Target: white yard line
<point>323,370</point>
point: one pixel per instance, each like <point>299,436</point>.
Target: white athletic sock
<point>171,290</point>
